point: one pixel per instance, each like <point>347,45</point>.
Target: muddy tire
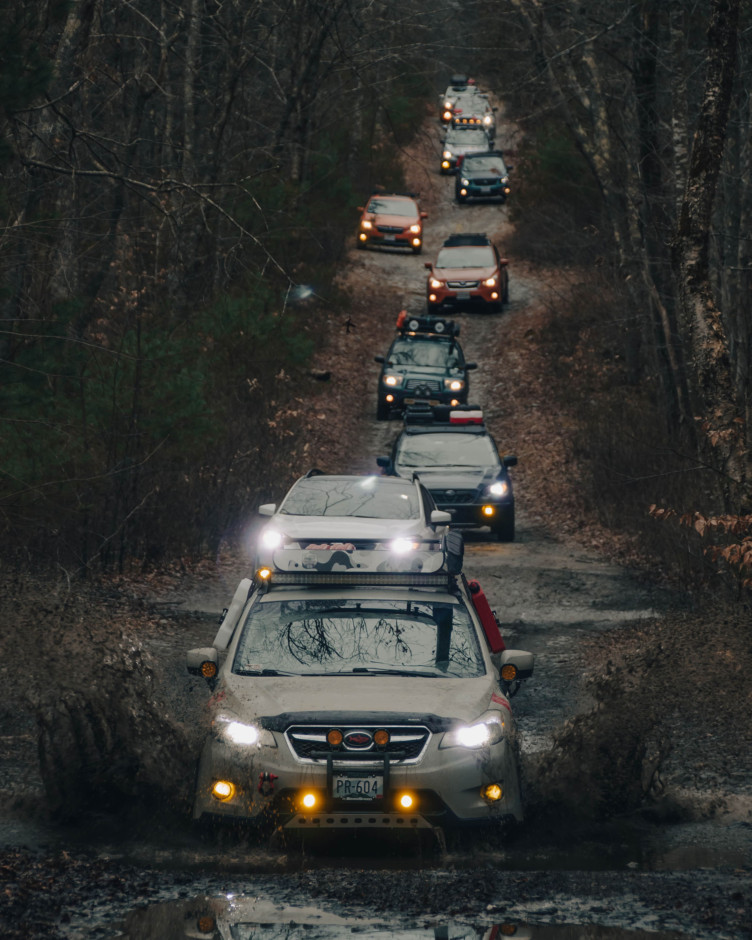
<point>505,294</point>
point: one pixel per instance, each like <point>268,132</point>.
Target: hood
<point>396,221</point>
<point>343,528</point>
<point>442,478</point>
<point>464,274</point>
<point>428,371</point>
<point>249,697</point>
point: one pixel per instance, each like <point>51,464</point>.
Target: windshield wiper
<point>265,672</point>
<point>388,671</point>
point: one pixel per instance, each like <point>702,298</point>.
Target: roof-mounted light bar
<point>352,579</point>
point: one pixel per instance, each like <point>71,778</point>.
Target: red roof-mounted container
<point>466,417</point>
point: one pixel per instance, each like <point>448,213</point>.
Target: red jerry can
<point>487,618</point>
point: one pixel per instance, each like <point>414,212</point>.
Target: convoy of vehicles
<point>424,363</point>
<point>358,678</point>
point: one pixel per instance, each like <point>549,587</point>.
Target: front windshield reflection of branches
<point>316,637</point>
<point>369,497</point>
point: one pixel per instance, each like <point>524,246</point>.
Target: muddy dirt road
<point>631,874</point>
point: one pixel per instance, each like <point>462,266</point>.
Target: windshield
<point>404,207</point>
<point>369,497</point>
<point>466,256</point>
<point>359,637</point>
<point>493,165</point>
<point>423,352</point>
<point>447,450</point>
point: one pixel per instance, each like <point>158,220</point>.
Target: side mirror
<point>424,215</point>
<point>428,265</point>
<point>470,365</point>
<point>495,108</point>
<point>203,662</point>
<point>385,463</point>
<point>380,359</point>
<point>503,262</point>
<point>509,169</point>
<point>360,209</point>
<point>440,517</point>
<point>513,666</point>
<point>267,509</point>
<point>509,461</point>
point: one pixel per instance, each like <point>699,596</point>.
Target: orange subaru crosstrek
<point>392,220</point>
<point>468,274</point>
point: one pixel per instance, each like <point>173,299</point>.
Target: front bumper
<point>403,397</point>
<point>474,298</point>
<point>269,784</point>
<point>411,240</point>
<point>473,515</point>
<point>482,192</point>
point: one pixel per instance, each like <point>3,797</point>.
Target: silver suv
<point>360,689</point>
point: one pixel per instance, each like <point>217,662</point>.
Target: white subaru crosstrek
<point>360,688</point>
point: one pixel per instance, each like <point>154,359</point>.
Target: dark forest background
<point>177,178</point>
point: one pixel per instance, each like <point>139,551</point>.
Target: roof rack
<point>467,238</point>
<point>378,192</point>
<point>409,323</point>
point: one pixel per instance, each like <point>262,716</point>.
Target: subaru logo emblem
<point>358,740</point>
<point>450,492</point>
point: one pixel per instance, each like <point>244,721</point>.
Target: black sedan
<point>456,459</point>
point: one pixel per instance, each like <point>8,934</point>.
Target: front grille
<point>494,181</point>
<point>406,743</point>
<point>462,285</point>
<point>430,385</point>
<point>453,496</point>
<point>390,229</point>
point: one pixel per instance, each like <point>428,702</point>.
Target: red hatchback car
<point>392,220</point>
<point>468,274</point>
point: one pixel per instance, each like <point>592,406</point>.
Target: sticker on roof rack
<point>357,562</point>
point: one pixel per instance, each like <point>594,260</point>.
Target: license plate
<point>430,401</point>
<point>463,295</point>
<point>485,189</point>
<point>390,238</point>
<point>357,788</point>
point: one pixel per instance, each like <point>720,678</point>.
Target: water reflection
<point>245,918</point>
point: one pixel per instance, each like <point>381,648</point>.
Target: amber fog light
<point>406,801</point>
<point>454,402</point>
<point>509,672</point>
<point>492,793</point>
<point>334,737</point>
<point>432,298</point>
<point>494,295</point>
<point>381,738</point>
<point>463,192</point>
<point>488,510</point>
<point>362,236</point>
<point>309,799</point>
<point>206,923</point>
<point>390,397</point>
<point>416,242</point>
<point>223,790</point>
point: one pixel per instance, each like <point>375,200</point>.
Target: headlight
<point>401,546</point>
<point>487,119</point>
<point>434,284</point>
<point>455,385</point>
<point>415,229</point>
<point>481,734</point>
<point>271,538</point>
<point>447,105</point>
<point>241,733</point>
<point>465,182</point>
<point>505,180</point>
<point>447,155</point>
<point>490,282</point>
<point>366,224</point>
<point>391,380</point>
<point>498,489</point>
